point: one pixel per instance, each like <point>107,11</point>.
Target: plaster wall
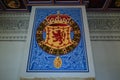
<point>106,56</point>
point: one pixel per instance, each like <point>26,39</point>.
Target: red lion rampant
<point>58,36</point>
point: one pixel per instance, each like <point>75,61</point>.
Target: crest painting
<point>58,40</point>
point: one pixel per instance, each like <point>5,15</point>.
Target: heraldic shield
<point>58,34</point>
<point>58,37</point>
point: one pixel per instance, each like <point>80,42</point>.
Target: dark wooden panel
<point>14,4</point>
<point>38,2</point>
<point>0,7</point>
<point>67,0</point>
<point>91,5</point>
<point>96,4</point>
<point>62,2</point>
<point>114,5</point>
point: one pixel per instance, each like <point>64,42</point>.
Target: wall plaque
<point>58,42</point>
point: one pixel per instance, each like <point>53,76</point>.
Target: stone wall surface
<point>102,26</point>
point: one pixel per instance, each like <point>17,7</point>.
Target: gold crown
<point>58,18</point>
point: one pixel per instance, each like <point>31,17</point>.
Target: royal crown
<point>58,18</point>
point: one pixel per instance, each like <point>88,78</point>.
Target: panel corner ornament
<point>58,34</point>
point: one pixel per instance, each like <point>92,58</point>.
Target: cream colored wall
<point>107,59</point>
<point>106,56</point>
<point>10,57</point>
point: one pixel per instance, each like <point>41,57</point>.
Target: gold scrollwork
<point>12,3</point>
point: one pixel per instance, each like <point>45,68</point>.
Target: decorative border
<point>104,26</point>
<point>76,78</point>
<point>14,26</point>
<point>97,25</point>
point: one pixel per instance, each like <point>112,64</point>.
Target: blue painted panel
<point>41,61</point>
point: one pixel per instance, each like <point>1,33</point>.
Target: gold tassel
<point>57,62</point>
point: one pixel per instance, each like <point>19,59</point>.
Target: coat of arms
<point>58,34</point>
